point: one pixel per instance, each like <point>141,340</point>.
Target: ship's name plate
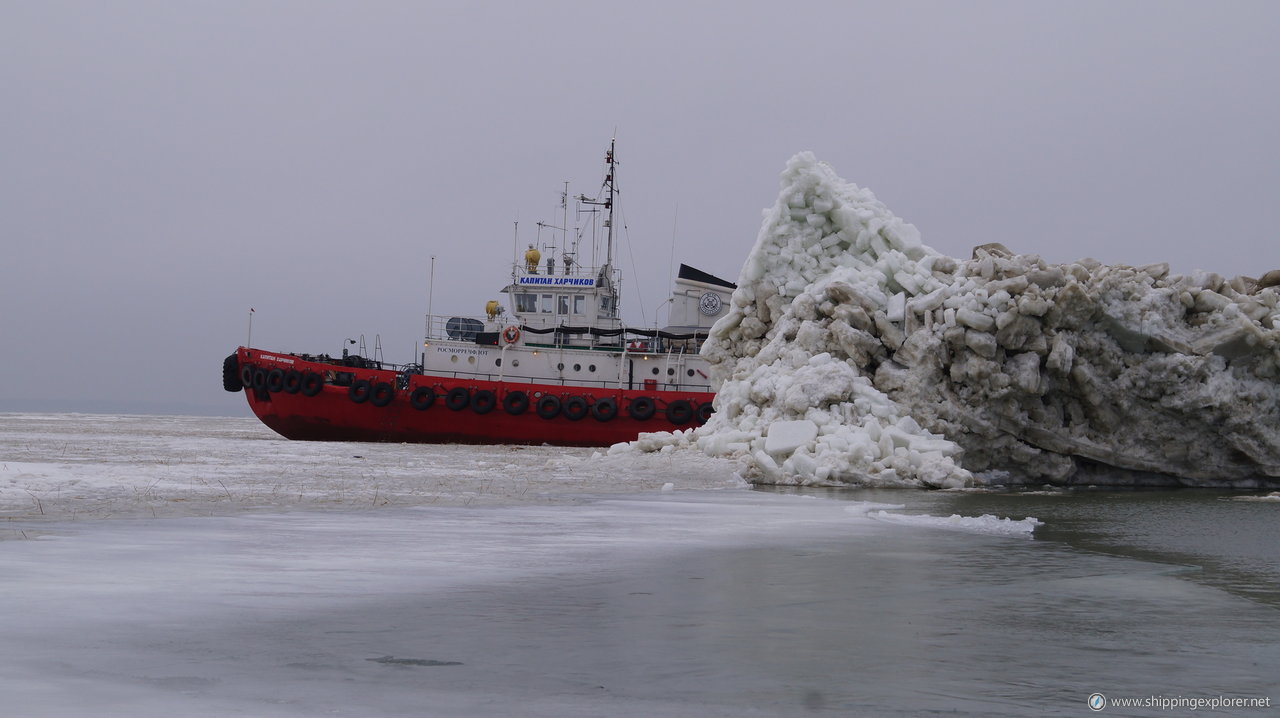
<point>460,350</point>
<point>556,281</point>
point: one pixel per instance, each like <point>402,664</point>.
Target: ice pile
<point>854,353</point>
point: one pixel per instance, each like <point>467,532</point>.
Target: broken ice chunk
<point>786,436</point>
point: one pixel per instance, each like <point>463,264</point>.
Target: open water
<point>183,566</point>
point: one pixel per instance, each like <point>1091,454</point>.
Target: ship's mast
<point>606,271</point>
<point>608,206</point>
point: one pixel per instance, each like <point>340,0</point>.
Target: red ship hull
<point>320,401</point>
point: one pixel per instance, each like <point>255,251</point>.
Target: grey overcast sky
<point>169,164</point>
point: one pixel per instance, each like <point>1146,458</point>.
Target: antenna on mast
<point>564,222</point>
<point>515,247</point>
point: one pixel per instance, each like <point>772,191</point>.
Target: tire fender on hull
<point>312,383</point>
<point>360,391</point>
<point>574,408</point>
<point>604,409</point>
<point>275,381</point>
<point>232,379</point>
<point>422,398</point>
<point>548,406</point>
<point>679,412</point>
<point>705,410</point>
<point>483,401</point>
<point>641,408</point>
<point>382,394</point>
<point>515,403</point>
<point>292,381</point>
<point>458,398</point>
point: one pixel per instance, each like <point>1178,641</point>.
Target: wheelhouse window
<point>546,304</point>
<point>562,305</point>
<point>579,304</point>
<point>526,303</point>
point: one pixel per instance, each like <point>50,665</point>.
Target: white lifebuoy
<point>511,334</point>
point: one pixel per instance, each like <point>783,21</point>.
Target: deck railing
<point>437,328</point>
<point>594,383</point>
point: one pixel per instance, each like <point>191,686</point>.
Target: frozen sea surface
<point>96,466</point>
<point>162,566</point>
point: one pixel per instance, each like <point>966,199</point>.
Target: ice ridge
<point>853,353</point>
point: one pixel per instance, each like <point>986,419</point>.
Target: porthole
<point>560,366</point>
<point>656,370</point>
<point>471,360</point>
<point>592,367</point>
<point>689,372</point>
<point>497,362</point>
<point>577,367</point>
<point>671,372</point>
<point>454,358</point>
<point>515,362</point>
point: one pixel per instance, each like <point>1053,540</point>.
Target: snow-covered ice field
<point>85,466</point>
<point>164,566</point>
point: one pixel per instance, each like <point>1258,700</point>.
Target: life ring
<point>483,401</point>
<point>575,407</point>
<point>679,412</point>
<point>292,381</point>
<point>458,398</point>
<point>548,406</point>
<point>511,334</point>
<point>360,391</point>
<point>705,410</point>
<point>641,408</point>
<point>515,403</point>
<point>422,398</point>
<point>604,409</point>
<point>382,394</point>
<point>312,383</point>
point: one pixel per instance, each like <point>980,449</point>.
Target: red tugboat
<point>555,365</point>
